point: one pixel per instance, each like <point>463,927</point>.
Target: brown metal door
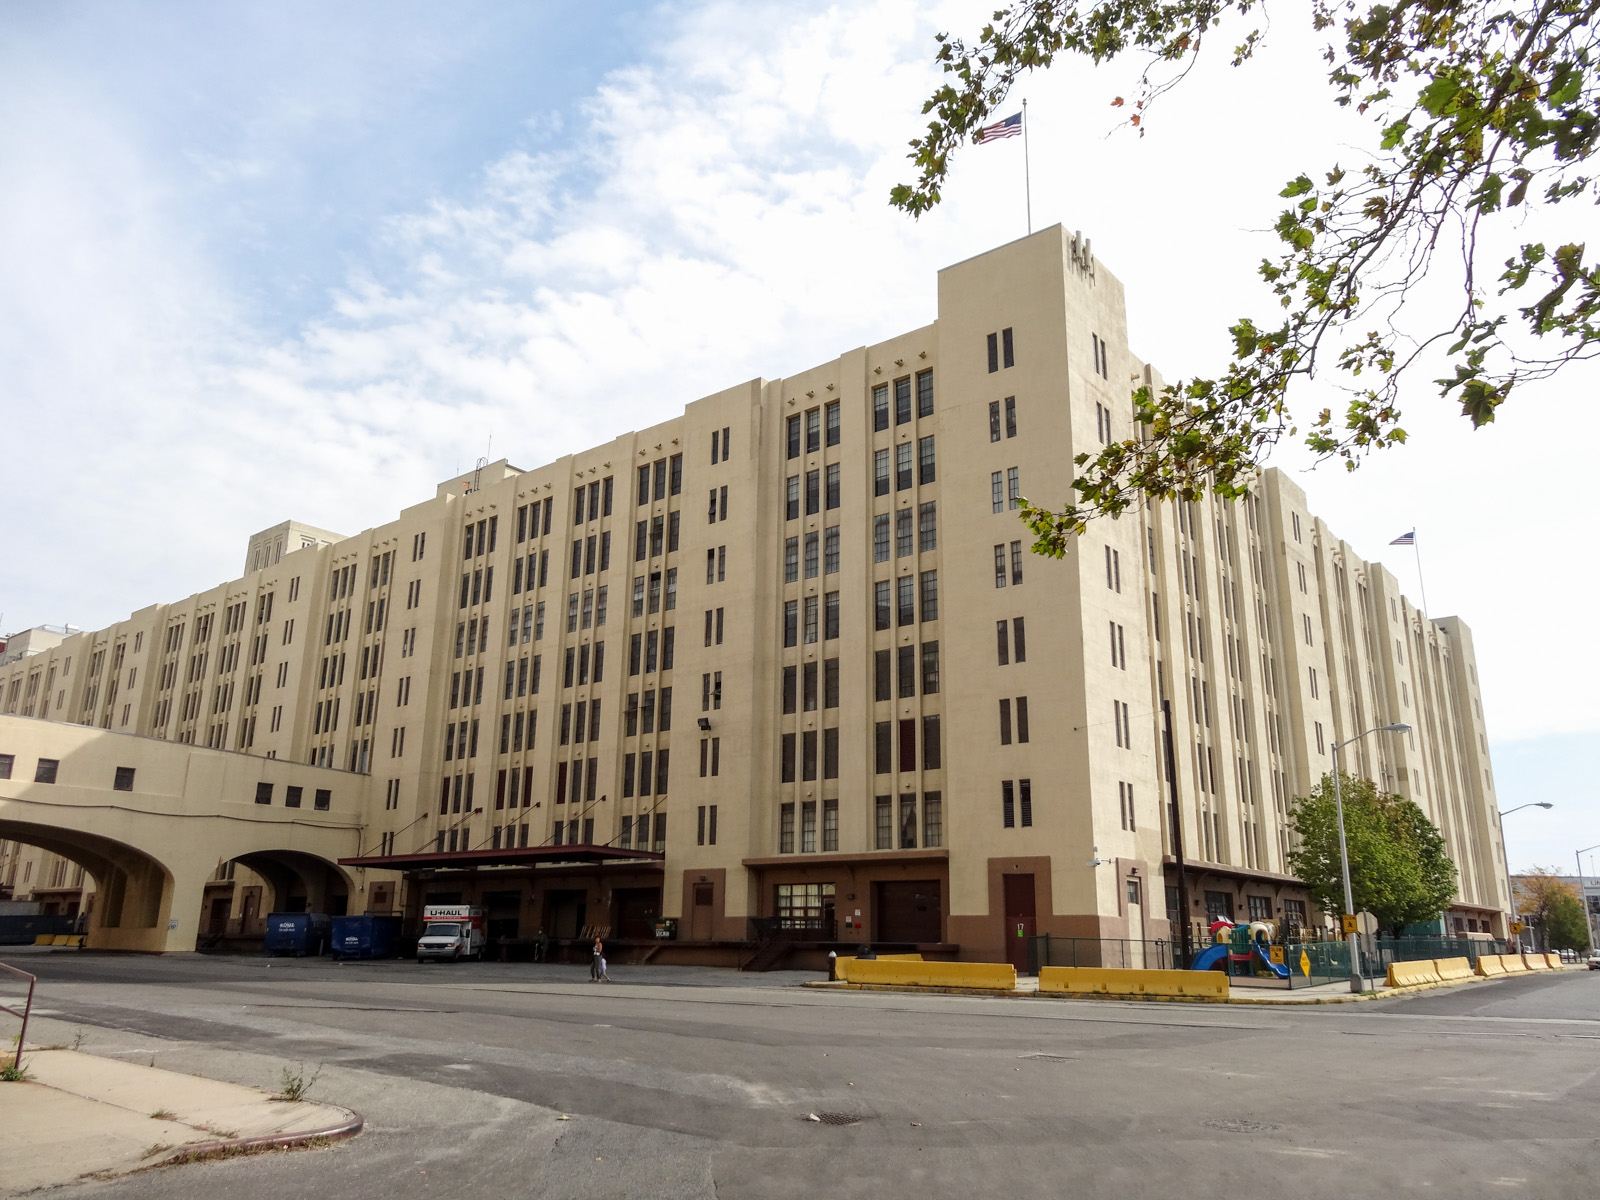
<point>700,913</point>
<point>908,910</point>
<point>1019,919</point>
<point>637,910</point>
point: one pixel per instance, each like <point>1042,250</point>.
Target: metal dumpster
<point>368,936</point>
<point>297,934</point>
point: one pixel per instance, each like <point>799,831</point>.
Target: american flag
<point>1010,127</point>
<point>1405,539</point>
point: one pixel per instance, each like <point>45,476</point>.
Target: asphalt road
<point>696,1083</point>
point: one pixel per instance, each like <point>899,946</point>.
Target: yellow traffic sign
<point>1349,924</point>
<point>1276,954</point>
<point>1305,964</point>
<point>1517,927</point>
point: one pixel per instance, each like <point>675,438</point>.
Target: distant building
<point>34,641</point>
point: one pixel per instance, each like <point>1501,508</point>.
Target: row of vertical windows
<point>1005,489</point>
<point>791,905</point>
<point>815,492</point>
<point>531,523</point>
<point>1002,352</point>
<point>813,419</point>
<point>894,600</point>
<point>807,743</point>
<point>1016,803</point>
<point>1010,418</point>
<point>1000,572</point>
<point>641,715</point>
<point>478,540</point>
<point>902,400</point>
<point>658,479</point>
<point>792,619</point>
<point>800,687</point>
<point>1020,726</point>
<point>902,683</point>
<point>657,533</point>
<point>886,828</point>
<point>894,744</point>
<point>599,502</point>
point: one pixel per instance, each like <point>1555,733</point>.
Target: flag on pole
<point>1405,539</point>
<point>1010,127</point>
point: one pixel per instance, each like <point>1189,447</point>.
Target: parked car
<point>1594,961</point>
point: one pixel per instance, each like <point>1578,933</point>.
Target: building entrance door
<point>1020,922</point>
<point>1135,924</point>
<point>700,913</point>
<point>908,910</point>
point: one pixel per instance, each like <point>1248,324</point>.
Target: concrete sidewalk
<point>81,1116</point>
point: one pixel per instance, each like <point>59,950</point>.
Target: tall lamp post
<point>1583,899</point>
<point>1357,982</point>
<point>1510,888</point>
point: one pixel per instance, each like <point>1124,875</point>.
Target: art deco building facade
<point>793,641</point>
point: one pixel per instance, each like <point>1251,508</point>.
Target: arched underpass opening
<point>237,902</point>
<point>132,889</point>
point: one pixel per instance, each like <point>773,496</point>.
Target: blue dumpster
<point>298,934</point>
<point>368,936</point>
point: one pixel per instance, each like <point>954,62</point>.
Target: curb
<point>195,1152</point>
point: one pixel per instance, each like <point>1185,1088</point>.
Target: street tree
<point>1553,908</point>
<point>1480,112</point>
<point>1399,871</point>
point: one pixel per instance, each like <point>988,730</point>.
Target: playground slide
<point>1210,956</point>
<point>1278,969</point>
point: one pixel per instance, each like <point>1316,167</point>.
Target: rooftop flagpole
<point>1027,176</point>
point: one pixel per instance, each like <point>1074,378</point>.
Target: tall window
<point>925,465</point>
<point>902,533</point>
<point>880,407</point>
<point>880,538</point>
<point>927,527</point>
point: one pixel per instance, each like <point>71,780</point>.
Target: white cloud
<point>714,211</point>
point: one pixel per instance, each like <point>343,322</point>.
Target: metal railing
<point>792,929</point>
<point>1051,950</point>
<point>27,1010</point>
<point>1312,964</point>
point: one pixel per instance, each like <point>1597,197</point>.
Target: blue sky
<point>306,260</point>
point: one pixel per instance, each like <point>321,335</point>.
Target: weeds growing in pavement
<point>293,1085</point>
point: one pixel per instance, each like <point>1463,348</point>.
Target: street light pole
<point>1357,981</point>
<point>1511,890</point>
<point>1583,899</point>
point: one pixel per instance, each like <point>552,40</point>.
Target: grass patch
<point>10,1073</point>
<point>163,1114</point>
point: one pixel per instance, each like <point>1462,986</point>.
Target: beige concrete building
<point>784,660</point>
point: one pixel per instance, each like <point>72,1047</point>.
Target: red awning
<point>523,856</point>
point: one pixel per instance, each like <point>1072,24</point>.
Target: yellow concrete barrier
<point>45,939</point>
<point>905,972</point>
<point>1514,964</point>
<point>1491,966</point>
<point>1407,974</point>
<point>1536,962</point>
<point>1117,981</point>
<point>1452,968</point>
<point>1553,961</point>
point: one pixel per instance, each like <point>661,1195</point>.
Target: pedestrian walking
<point>596,961</point>
<point>604,977</point>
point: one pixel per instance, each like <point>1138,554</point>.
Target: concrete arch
<point>132,889</point>
<point>301,882</point>
<point>151,819</point>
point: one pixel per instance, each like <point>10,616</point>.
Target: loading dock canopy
<point>519,856</point>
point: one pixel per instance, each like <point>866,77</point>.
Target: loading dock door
<point>637,910</point>
<point>908,910</point>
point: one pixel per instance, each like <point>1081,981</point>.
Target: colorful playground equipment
<point>1249,945</point>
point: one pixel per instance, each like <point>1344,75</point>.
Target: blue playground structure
<point>1246,945</point>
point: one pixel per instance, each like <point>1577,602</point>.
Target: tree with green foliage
<point>1481,112</point>
<point>1399,871</point>
<point>1553,908</point>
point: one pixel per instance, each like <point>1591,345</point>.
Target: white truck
<point>451,932</point>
